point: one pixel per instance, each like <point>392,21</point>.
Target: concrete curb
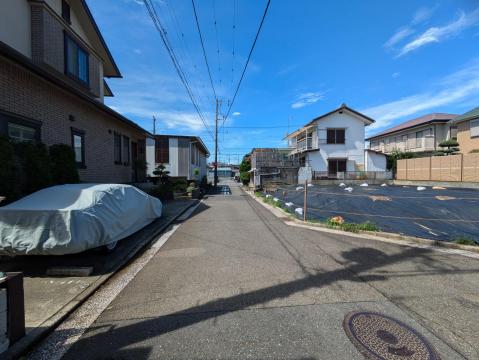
<point>33,337</point>
<point>371,235</point>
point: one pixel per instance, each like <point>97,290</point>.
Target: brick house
<point>53,61</point>
<point>467,131</point>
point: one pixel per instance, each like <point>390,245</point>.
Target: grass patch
<point>267,200</point>
<point>352,227</point>
<point>465,241</point>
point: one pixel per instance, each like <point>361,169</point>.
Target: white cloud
<point>423,14</point>
<point>395,75</point>
<point>236,113</point>
<point>307,99</point>
<point>137,51</point>
<point>438,34</point>
<point>139,97</point>
<point>460,86</point>
<point>398,36</point>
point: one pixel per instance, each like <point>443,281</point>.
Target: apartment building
<point>53,65</point>
<point>423,134</point>
<point>182,155</point>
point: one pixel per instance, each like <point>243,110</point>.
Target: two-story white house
<point>331,143</point>
<point>182,155</point>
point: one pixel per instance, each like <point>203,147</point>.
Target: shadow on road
<point>358,261</point>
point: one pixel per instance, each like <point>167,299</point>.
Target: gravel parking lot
<point>439,214</point>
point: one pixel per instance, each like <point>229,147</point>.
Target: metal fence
<point>352,175</point>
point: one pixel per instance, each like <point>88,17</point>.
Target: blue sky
<point>391,60</point>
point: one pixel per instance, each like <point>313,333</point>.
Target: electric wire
<point>203,47</point>
<point>247,60</point>
<point>159,27</point>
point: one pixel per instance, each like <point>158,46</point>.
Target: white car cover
<point>67,219</point>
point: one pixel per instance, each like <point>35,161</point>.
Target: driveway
<point>235,282</point>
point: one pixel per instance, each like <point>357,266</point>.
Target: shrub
<point>163,191</point>
<point>352,227</point>
<point>179,185</point>
<point>244,169</point>
<point>465,241</point>
<point>63,166</point>
<point>35,163</point>
<point>395,156</point>
<point>7,171</point>
<point>449,147</point>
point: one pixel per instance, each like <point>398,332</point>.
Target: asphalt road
<point>235,282</point>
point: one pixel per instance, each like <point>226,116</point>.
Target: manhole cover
<point>379,336</point>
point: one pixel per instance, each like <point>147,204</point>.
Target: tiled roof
<point>439,117</point>
<point>472,114</point>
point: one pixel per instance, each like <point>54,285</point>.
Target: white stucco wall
<point>172,166</point>
<point>352,149</point>
<point>374,161</point>
<point>150,156</point>
<point>15,25</point>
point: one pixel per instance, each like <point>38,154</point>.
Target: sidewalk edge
<point>20,347</point>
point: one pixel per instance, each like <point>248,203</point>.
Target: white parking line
<point>70,331</point>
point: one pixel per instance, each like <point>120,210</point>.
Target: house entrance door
<point>335,166</point>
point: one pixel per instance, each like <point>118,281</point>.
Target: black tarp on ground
<point>434,214</point>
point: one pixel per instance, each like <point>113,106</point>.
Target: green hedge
<point>29,167</point>
<point>63,166</point>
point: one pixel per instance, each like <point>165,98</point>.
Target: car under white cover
<point>68,219</point>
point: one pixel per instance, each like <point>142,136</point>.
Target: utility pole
<point>305,200</point>
<point>154,125</point>
<point>216,144</point>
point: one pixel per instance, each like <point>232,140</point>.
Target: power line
<point>260,127</point>
<point>200,95</point>
<point>217,41</point>
<point>233,52</point>
<point>203,47</point>
<point>247,61</point>
<point>159,27</point>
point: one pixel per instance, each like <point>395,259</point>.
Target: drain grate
<point>378,336</point>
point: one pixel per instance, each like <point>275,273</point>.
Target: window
<point>126,150</point>
<point>66,11</point>
<point>419,137</point>
<point>19,133</point>
<point>453,132</point>
<point>162,150</point>
<point>76,61</point>
<point>78,145</point>
<point>335,136</point>
<point>474,126</point>
<point>117,148</point>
